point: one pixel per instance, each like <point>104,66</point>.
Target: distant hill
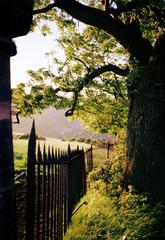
<point>53,123</point>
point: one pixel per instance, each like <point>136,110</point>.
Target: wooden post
<point>31,185</point>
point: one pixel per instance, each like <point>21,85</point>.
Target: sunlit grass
<point>113,213</point>
<point>20,150</point>
<point>21,145</point>
<point>99,155</point>
<point>64,144</point>
<point>20,154</point>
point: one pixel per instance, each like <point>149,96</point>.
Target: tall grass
<point>113,213</point>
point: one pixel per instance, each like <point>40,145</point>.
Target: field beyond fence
<point>55,182</point>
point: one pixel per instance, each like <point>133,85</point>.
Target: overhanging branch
<point>89,77</point>
<point>80,60</point>
<point>128,35</point>
<point>71,110</point>
<point>45,9</point>
<point>16,113</point>
<point>95,72</point>
<point>109,68</point>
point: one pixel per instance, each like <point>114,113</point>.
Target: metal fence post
<point>31,185</point>
<point>50,204</point>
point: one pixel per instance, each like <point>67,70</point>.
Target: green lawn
<point>20,154</point>
<point>20,151</point>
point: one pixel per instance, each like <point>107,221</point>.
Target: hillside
<point>53,123</point>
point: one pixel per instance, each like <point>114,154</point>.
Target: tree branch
<point>128,35</point>
<point>45,9</point>
<point>71,110</point>
<point>108,68</point>
<point>16,113</point>
<point>93,16</point>
<point>78,59</point>
<point>88,78</point>
<point>93,74</point>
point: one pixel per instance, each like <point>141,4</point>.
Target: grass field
<point>20,154</point>
<point>20,151</point>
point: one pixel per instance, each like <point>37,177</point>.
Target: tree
<point>137,27</point>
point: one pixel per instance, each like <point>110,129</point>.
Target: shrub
<point>81,139</point>
<point>41,138</point>
<point>88,140</point>
<point>24,136</point>
<point>72,140</point>
<point>18,156</point>
<point>113,213</point>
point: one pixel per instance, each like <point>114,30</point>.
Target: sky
<point>31,50</point>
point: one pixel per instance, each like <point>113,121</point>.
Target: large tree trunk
<point>146,124</point>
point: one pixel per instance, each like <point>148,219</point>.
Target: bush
<point>113,213</point>
<point>41,138</point>
<point>81,139</point>
<point>88,141</point>
<point>72,140</point>
<point>18,156</point>
<point>24,136</point>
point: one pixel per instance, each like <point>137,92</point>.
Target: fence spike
<point>56,155</point>
<point>30,209</point>
<point>69,149</point>
<point>39,154</point>
<point>53,156</point>
<point>44,154</point>
<point>62,184</point>
<point>49,154</point>
<point>32,143</point>
<point>38,191</point>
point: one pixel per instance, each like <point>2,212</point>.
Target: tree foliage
<point>91,80</point>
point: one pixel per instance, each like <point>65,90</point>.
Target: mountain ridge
<point>53,123</point>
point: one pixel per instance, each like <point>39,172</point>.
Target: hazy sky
<point>30,54</point>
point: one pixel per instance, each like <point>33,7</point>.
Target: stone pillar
<point>7,190</point>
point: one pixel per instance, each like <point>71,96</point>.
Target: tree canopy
<point>102,63</point>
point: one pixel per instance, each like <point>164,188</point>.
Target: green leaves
<point>115,213</point>
<point>100,97</point>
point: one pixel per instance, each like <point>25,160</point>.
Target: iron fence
<point>56,180</point>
